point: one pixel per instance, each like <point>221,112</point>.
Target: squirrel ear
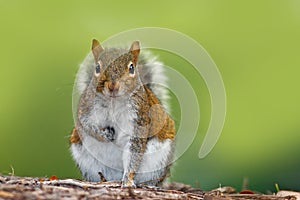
<point>96,49</point>
<point>135,51</point>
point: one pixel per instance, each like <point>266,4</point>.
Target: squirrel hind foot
<point>75,138</point>
<point>102,178</point>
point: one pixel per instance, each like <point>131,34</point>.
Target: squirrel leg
<point>133,159</point>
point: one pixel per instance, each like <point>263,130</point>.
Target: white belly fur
<point>94,156</point>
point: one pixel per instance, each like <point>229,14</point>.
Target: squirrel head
<point>115,70</point>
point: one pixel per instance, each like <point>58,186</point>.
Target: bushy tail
<point>153,75</point>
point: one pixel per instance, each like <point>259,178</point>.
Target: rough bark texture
<point>12,187</point>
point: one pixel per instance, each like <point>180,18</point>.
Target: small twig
<point>12,173</point>
<point>81,184</point>
<point>277,187</point>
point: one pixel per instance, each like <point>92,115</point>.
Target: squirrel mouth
<point>113,96</point>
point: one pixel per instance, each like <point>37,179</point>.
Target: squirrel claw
<point>108,133</point>
<point>128,181</point>
<point>128,185</point>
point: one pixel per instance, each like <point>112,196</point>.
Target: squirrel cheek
<point>105,87</point>
<point>99,87</point>
<point>130,85</point>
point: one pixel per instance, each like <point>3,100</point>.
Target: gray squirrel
<point>123,131</point>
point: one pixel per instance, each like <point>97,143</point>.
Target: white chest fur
<point>114,114</point>
<point>117,114</point>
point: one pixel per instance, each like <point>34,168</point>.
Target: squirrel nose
<point>113,87</point>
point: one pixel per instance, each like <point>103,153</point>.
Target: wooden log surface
<point>13,187</point>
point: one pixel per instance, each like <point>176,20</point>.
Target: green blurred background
<point>255,44</point>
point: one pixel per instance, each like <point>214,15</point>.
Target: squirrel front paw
<point>108,133</point>
<point>128,181</point>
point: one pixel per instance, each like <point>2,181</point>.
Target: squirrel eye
<point>131,68</point>
<point>97,71</point>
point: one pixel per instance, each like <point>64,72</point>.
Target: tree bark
<point>12,187</point>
